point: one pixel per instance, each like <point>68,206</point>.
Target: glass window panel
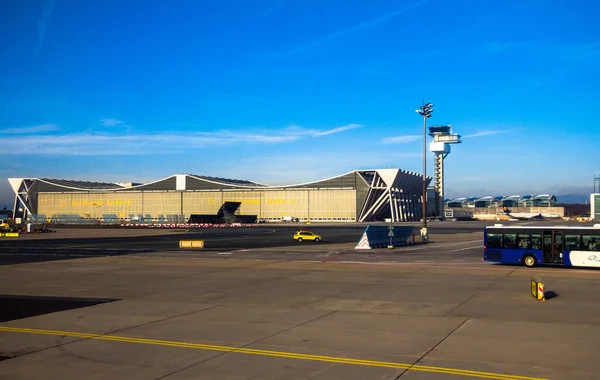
<point>509,241</point>
<point>524,241</point>
<point>572,242</point>
<point>536,241</point>
<point>590,243</point>
<point>494,240</point>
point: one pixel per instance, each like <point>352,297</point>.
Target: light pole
<point>426,110</point>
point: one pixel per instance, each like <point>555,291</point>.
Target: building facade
<point>360,195</point>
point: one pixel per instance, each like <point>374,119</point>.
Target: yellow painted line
<point>279,354</point>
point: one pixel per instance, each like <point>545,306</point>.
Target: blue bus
<point>565,246</point>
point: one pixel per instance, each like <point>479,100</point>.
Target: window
<point>590,243</point>
<point>528,241</point>
<point>536,241</point>
<point>494,241</point>
<point>572,242</point>
<point>509,241</point>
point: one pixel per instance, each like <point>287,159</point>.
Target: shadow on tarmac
<point>17,307</point>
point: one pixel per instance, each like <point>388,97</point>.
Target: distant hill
<point>573,198</point>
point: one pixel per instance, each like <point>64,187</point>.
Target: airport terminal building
<point>357,196</point>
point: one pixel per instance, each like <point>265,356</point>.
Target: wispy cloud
<point>274,169</point>
<point>42,24</point>
<point>289,134</point>
<point>111,122</point>
<point>98,144</point>
<point>352,29</point>
<point>484,133</point>
<point>338,130</point>
<point>32,129</point>
<point>116,123</point>
<point>401,139</point>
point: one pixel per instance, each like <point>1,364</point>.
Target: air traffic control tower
<point>440,146</point>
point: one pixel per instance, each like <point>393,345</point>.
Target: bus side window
<point>494,241</point>
<point>509,240</point>
<point>523,241</point>
<point>572,242</point>
<point>590,243</point>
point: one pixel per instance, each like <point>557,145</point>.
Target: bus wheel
<point>529,261</point>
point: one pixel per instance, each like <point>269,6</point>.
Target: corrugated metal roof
<point>227,181</point>
<point>82,184</point>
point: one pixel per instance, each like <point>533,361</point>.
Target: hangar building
<point>360,195</point>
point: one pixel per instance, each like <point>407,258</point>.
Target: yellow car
<point>306,235</point>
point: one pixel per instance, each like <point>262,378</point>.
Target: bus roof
<point>594,227</point>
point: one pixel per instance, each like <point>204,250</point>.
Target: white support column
<point>376,205</point>
<point>391,201</point>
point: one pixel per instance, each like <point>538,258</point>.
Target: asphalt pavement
<point>129,304</point>
<point>69,243</point>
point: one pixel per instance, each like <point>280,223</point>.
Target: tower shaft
<point>438,172</point>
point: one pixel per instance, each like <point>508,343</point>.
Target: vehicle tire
<point>299,240</point>
<point>317,240</point>
<point>529,260</point>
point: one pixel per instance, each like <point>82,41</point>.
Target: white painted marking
<point>465,249</point>
<point>225,253</point>
<point>413,249</point>
<point>465,242</point>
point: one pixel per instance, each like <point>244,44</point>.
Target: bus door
<point>553,247</point>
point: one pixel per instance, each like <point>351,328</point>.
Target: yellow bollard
<point>537,289</point>
<point>191,244</point>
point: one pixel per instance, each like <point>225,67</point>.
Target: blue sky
<point>283,92</point>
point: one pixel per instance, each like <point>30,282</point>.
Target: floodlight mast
<point>426,110</point>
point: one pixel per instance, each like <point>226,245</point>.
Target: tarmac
<point>416,313</point>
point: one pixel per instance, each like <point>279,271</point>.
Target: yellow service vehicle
<point>301,235</point>
<point>6,225</point>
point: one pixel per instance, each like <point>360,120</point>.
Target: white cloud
<point>96,144</point>
<point>111,122</point>
<point>484,133</point>
<point>349,30</point>
<point>291,133</point>
<point>32,129</point>
<point>42,23</point>
<point>401,139</point>
<point>338,130</point>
